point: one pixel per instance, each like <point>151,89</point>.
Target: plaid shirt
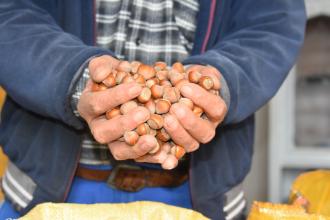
<point>143,30</point>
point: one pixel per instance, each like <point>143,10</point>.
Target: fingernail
<point>140,116</point>
<point>169,121</point>
<point>134,90</point>
<point>186,90</point>
<point>180,113</point>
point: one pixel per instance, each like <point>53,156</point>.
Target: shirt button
<point>137,41</point>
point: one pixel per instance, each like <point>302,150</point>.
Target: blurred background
<point>293,130</point>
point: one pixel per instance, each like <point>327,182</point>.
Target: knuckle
<point>118,156</point>
<point>190,123</point>
<point>146,144</point>
<point>99,68</point>
<point>145,147</point>
<point>156,159</point>
<point>209,136</point>
<point>95,107</point>
<point>193,147</point>
<point>220,111</point>
<point>161,158</point>
<point>95,64</point>
<point>98,135</point>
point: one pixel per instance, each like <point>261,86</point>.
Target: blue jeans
<point>89,192</point>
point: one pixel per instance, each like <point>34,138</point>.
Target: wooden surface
<point>3,158</point>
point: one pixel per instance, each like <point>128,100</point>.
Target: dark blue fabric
<point>43,43</point>
<point>92,192</point>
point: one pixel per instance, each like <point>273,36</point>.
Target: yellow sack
<point>313,190</point>
<point>269,211</point>
<point>122,211</point>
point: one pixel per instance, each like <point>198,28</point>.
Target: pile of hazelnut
<point>161,88</point>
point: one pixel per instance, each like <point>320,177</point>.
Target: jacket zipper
<point>79,153</point>
<point>209,25</point>
<point>203,49</point>
<point>94,22</point>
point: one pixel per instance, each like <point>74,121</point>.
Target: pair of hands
<point>182,125</point>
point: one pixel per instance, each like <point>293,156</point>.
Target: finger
<point>178,134</point>
<point>195,68</point>
<point>101,67</point>
<point>170,163</point>
<point>213,105</point>
<point>158,157</point>
<point>200,129</point>
<point>88,87</point>
<point>97,103</point>
<point>105,131</point>
<point>121,151</point>
<point>214,74</point>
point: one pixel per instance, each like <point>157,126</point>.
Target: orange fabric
<point>3,158</point>
<point>314,186</point>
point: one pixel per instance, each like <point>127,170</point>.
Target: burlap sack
<point>123,211</point>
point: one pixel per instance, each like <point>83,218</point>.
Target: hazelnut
<point>120,76</point>
<point>194,76</point>
<point>163,135</point>
<point>187,102</point>
<point>162,106</point>
<point>155,121</point>
<point>157,91</point>
<point>131,137</point>
<point>206,82</point>
<point>112,113</point>
<point>165,83</point>
<point>146,71</point>
<point>143,129</point>
<point>153,132</point>
<point>127,107</point>
<point>135,66</point>
<point>178,151</point>
<point>215,92</point>
<point>139,79</point>
<point>127,79</point>
<point>158,66</point>
<point>145,95</point>
<point>114,73</point>
<point>175,77</point>
<point>178,67</point>
<point>95,87</point>
<point>198,111</point>
<point>98,87</point>
<point>110,81</point>
<point>151,82</point>
<point>162,74</point>
<point>171,94</point>
<point>124,66</point>
<point>151,106</point>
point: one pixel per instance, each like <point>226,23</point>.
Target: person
<point>53,130</point>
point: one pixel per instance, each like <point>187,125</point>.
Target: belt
<point>134,178</point>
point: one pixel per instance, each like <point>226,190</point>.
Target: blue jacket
<point>253,43</point>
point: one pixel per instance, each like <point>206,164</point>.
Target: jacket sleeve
<point>39,61</point>
<point>256,52</point>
